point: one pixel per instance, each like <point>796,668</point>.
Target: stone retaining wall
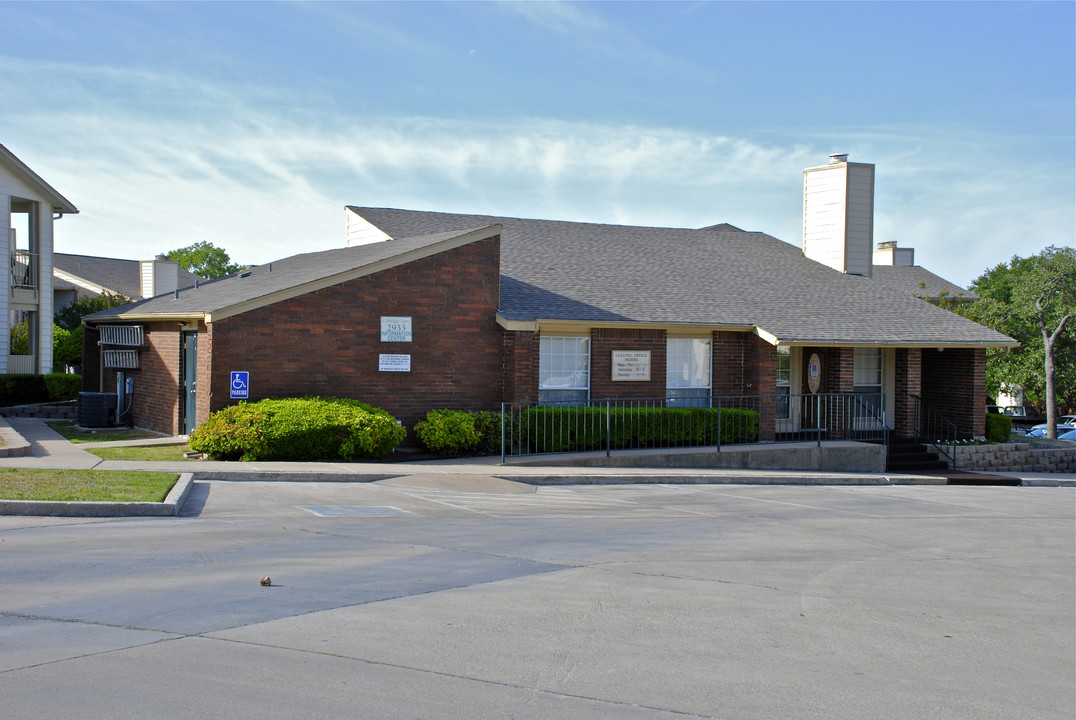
<point>67,410</point>
<point>1016,457</point>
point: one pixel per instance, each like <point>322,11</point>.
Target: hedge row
<point>998,427</point>
<point>18,389</point>
<point>575,429</point>
<point>298,429</point>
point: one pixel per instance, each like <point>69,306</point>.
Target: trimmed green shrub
<point>575,429</point>
<point>23,389</point>
<point>63,386</point>
<point>448,431</point>
<point>298,429</point>
<point>998,427</point>
<point>459,432</point>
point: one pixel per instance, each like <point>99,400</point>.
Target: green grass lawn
<point>71,433</point>
<point>153,453</point>
<point>96,485</point>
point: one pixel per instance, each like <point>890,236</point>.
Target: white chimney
<point>159,276</point>
<point>838,214</point>
<point>888,253</point>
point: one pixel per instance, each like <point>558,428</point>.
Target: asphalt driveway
<point>472,597</point>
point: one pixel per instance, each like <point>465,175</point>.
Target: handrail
<point>933,428</point>
<point>606,424</point>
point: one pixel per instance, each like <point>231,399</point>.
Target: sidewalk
<point>50,450</point>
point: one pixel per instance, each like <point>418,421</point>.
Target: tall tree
<point>1033,300</point>
<point>205,260</point>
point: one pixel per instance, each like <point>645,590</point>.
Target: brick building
<point>427,310</point>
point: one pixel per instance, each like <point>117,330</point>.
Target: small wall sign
<point>394,363</point>
<point>395,328</point>
<point>240,385</point>
<point>814,373</point>
<point>631,365</point>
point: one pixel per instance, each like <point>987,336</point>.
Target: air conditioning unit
<point>96,409</point>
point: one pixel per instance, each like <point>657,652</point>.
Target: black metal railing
<point>23,270</point>
<point>933,428</point>
<point>710,421</point>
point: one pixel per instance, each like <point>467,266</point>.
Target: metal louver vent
<point>121,359</point>
<point>126,335</point>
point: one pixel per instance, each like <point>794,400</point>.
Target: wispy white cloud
<point>246,169</point>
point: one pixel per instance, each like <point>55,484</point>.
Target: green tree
<point>205,260</point>
<point>66,346</point>
<point>70,317</point>
<point>1032,300</point>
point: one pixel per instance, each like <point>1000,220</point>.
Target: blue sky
<point>250,125</point>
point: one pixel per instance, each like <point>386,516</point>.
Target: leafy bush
<point>63,386</point>
<point>18,389</point>
<point>298,429</point>
<point>458,432</point>
<point>66,346</point>
<point>998,427</point>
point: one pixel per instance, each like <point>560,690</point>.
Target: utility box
<point>96,409</point>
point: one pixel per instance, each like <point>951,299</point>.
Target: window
<point>687,374</point>
<point>784,383</point>
<point>563,369</point>
<point>867,381</point>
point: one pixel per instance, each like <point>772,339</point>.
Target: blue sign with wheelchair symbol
<point>240,385</point>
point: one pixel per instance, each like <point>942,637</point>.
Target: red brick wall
<point>154,404</point>
<point>603,341</point>
<point>328,342</point>
<point>954,384</point>
<point>729,355</point>
<point>908,381</point>
<point>520,366</point>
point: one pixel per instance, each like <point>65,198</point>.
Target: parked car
<point>1065,424</point>
<point>1022,417</point>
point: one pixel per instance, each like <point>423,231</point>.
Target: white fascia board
<point>82,283</point>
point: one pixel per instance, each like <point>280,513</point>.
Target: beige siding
<point>824,193</point>
<point>838,216</point>
<point>360,231</point>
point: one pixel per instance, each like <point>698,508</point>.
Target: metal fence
<point>933,428</point>
<point>713,421</point>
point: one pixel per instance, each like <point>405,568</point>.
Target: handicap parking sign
<point>240,385</point>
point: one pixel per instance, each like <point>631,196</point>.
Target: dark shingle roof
<point>920,282</point>
<point>713,276</point>
<point>113,274</point>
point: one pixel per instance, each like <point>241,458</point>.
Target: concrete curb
<point>15,445</point>
<point>171,506</point>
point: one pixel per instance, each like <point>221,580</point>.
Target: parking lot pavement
<point>426,597</point>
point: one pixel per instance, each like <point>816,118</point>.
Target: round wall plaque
<point>814,373</point>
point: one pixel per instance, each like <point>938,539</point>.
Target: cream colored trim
<point>147,317</point>
<point>583,327</point>
<point>768,337</point>
<point>85,284</point>
<point>386,264</point>
<point>931,346</point>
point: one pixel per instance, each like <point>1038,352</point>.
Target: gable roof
<point>718,277</point>
<point>112,275</point>
<point>23,172</point>
<point>293,276</point>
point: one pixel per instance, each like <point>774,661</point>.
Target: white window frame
<point>868,376</point>
<point>689,363</point>
<point>783,382</point>
<point>563,369</point>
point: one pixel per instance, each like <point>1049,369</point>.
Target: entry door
<point>190,380</point>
